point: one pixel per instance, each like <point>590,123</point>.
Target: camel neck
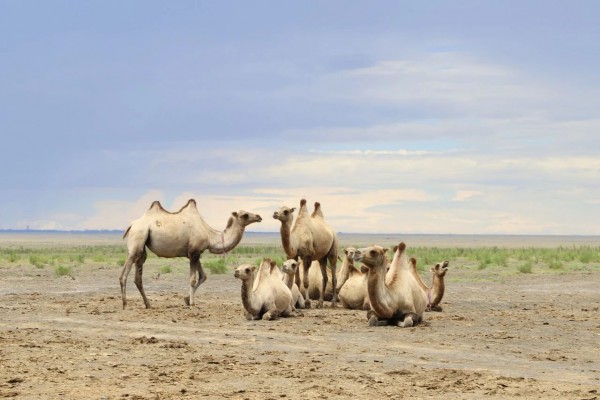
<point>225,241</point>
<point>437,290</point>
<point>344,272</point>
<point>247,294</point>
<point>286,240</point>
<point>288,280</point>
<point>378,292</point>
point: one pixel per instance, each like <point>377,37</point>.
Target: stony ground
<point>529,336</point>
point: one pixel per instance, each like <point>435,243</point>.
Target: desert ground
<point>500,336</point>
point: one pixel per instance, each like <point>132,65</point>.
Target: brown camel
<point>180,234</point>
<point>395,297</point>
<point>435,293</point>
<point>310,238</point>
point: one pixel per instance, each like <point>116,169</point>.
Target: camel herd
<point>391,292</point>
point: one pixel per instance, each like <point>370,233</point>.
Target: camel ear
<point>385,249</point>
<point>346,251</point>
<point>253,268</point>
<point>292,209</point>
<point>273,264</point>
<point>235,214</point>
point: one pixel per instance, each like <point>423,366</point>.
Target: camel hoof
<point>307,304</point>
<point>407,323</point>
<point>186,299</point>
<point>373,321</point>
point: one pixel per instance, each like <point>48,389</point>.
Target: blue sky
<point>399,117</point>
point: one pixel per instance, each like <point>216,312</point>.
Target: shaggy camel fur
<point>180,234</point>
<point>435,293</point>
<point>310,238</point>
<point>395,297</point>
<point>265,296</point>
<point>289,269</point>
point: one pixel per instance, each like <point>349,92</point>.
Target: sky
<point>441,117</point>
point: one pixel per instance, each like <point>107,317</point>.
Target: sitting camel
<point>353,292</point>
<point>289,272</point>
<point>265,296</point>
<point>310,238</point>
<point>180,234</point>
<point>436,291</point>
<point>396,298</point>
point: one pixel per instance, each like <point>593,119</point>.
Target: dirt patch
<point>533,336</point>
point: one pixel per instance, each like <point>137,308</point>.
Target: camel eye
<point>247,270</point>
<point>373,253</point>
<point>245,216</point>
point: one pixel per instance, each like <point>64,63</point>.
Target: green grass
<point>525,268</point>
<point>62,270</point>
<point>480,261</point>
<point>216,265</point>
<point>166,269</point>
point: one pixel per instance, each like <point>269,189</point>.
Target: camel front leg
<point>139,269</point>
<point>306,262</point>
<point>195,280</point>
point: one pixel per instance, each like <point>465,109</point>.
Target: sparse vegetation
<point>165,269</point>
<point>497,260</point>
<point>62,270</point>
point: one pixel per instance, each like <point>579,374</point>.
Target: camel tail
<point>126,231</point>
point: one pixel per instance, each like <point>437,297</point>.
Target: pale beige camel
<point>289,269</point>
<point>310,238</point>
<point>353,293</point>
<point>180,234</point>
<point>265,296</point>
<point>395,297</point>
<point>435,293</point>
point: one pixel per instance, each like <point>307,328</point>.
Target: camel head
<point>290,266</point>
<point>440,269</point>
<point>284,214</point>
<point>244,218</point>
<point>350,252</point>
<point>244,272</point>
<point>372,256</point>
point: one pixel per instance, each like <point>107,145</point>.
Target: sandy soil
<point>532,336</point>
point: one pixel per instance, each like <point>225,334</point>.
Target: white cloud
<point>465,195</point>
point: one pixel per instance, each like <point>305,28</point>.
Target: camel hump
<point>156,206</point>
<point>401,247</point>
<point>317,212</point>
<point>303,203</point>
<point>413,261</point>
<point>190,203</point>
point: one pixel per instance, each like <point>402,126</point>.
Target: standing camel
<point>310,238</point>
<point>180,234</point>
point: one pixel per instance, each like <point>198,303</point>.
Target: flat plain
<point>506,331</point>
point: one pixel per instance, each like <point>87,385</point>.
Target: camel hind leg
<point>306,262</point>
<point>123,279</point>
<point>332,257</point>
<point>323,265</point>
<point>136,257</point>
<point>139,269</point>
